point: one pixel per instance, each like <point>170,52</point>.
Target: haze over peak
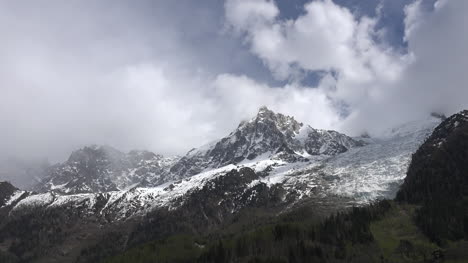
<point>293,110</point>
<point>170,76</point>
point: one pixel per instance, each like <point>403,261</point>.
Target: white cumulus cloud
<point>379,85</point>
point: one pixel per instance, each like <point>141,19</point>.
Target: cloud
<point>413,17</point>
<point>439,47</point>
<point>156,76</point>
<point>84,73</point>
<point>327,37</point>
<point>250,13</point>
<point>379,85</point>
<point>81,73</point>
<point>434,80</point>
<point>240,96</point>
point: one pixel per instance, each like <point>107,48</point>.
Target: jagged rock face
<point>102,169</point>
<point>328,142</point>
<point>268,134</point>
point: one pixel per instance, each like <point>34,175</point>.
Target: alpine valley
<point>273,190</point>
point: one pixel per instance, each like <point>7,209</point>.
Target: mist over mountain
<point>268,135</point>
<point>23,173</point>
<point>233,131</point>
<point>173,76</point>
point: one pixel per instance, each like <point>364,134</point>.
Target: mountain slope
<point>438,181</point>
<point>440,160</point>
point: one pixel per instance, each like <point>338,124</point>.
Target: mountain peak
<point>438,115</point>
<point>450,124</point>
<point>270,135</point>
<point>265,113</point>
<point>95,152</point>
<point>464,113</point>
<point>282,122</point>
<point>264,109</point>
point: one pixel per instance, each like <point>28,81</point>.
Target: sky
<point>168,76</point>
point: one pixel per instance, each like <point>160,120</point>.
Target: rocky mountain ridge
<point>269,135</point>
<point>364,172</point>
<point>98,169</point>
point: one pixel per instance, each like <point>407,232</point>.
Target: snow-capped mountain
<point>269,183</point>
<point>292,158</point>
<point>267,135</point>
<point>97,169</point>
<point>292,166</point>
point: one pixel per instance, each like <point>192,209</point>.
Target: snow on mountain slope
<point>305,162</point>
<point>120,204</point>
<point>272,135</point>
<point>15,197</point>
<point>377,170</point>
<point>363,173</point>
